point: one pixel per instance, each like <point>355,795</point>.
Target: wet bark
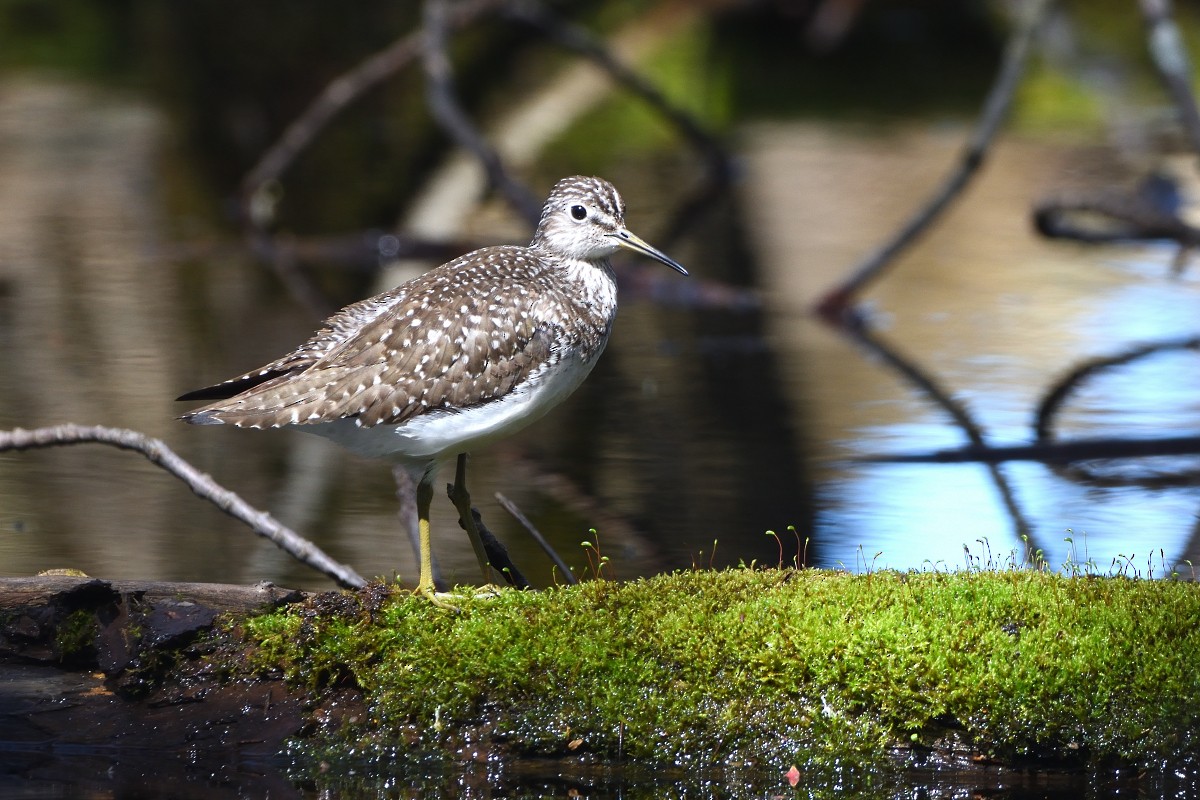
<point>140,666</point>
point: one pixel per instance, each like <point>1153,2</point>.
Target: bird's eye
<point>579,212</point>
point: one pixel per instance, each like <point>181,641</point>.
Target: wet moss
<point>75,637</point>
<point>773,668</point>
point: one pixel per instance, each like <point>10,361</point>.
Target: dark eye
<point>578,212</point>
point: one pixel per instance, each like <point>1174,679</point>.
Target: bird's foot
<point>446,600</point>
<point>439,599</point>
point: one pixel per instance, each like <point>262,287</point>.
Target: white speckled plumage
<point>464,354</point>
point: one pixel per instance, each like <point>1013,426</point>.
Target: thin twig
<point>443,104</point>
<point>512,509</point>
<point>157,453</point>
<point>835,305</point>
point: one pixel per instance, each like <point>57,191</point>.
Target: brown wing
<point>337,329</point>
<point>455,337</point>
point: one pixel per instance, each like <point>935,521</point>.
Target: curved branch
<point>836,303</point>
<point>1053,401</point>
<point>157,453</point>
<point>340,93</point>
<point>446,110</point>
<point>579,39</point>
<point>1147,212</point>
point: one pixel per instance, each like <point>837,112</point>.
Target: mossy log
<point>750,669</point>
<point>128,664</point>
<point>765,669</point>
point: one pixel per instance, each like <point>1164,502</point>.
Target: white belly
<point>442,434</point>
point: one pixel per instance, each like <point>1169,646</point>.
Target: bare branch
<point>157,453</point>
<point>1170,56</point>
<point>836,303</point>
<point>343,91</point>
<point>532,530</point>
<point>579,39</point>
<point>261,183</point>
<point>446,110</point>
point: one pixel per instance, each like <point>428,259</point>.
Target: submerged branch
<point>1054,399</point>
<point>944,399</point>
<point>1049,452</point>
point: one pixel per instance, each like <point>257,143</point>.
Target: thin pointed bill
<point>636,244</point>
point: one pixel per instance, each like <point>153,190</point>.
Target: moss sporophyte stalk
<point>767,667</point>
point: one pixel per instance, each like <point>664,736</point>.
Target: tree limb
<point>344,90</point>
<point>835,305</point>
<point>446,110</point>
<point>157,453</point>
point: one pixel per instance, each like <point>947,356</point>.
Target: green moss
<point>770,667</point>
<point>75,636</point>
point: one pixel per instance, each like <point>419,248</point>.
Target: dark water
<point>28,773</point>
<point>700,426</point>
<point>701,429</point>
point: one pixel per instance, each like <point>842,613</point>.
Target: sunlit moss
<point>771,667</point>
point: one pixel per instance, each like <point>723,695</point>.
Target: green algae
<point>766,667</point>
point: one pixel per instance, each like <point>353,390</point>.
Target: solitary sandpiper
<point>457,358</point>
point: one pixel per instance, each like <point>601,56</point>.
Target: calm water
<point>92,774</point>
<point>700,426</point>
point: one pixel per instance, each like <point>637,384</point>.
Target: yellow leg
<point>425,542</point>
<point>424,545</point>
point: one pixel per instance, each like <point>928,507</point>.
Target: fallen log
<point>130,665</point>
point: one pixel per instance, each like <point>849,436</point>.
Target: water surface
<point>700,426</point>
